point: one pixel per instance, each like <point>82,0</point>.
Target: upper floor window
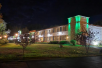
<point>49,31</point>
<point>57,29</point>
<point>64,28</point>
<point>60,28</point>
<point>53,30</point>
<point>39,33</point>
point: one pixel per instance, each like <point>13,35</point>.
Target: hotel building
<point>67,32</point>
<point>64,32</point>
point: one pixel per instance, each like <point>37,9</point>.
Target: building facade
<point>68,32</point>
<point>64,32</point>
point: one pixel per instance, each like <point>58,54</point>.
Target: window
<point>53,30</point>
<point>49,31</point>
<point>60,28</point>
<point>53,38</point>
<point>39,33</point>
<point>64,28</point>
<point>57,29</point>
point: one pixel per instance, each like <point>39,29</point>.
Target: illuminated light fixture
<point>69,26</point>
<point>32,36</point>
<point>5,36</point>
<point>0,37</point>
<point>67,37</point>
<point>49,35</point>
<point>40,36</point>
<point>69,20</point>
<point>77,26</point>
<point>87,20</point>
<point>95,42</point>
<point>59,33</point>
<point>16,35</point>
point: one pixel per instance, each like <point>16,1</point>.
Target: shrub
<point>4,41</point>
<point>11,41</point>
<point>73,42</point>
<point>63,42</point>
<point>54,42</point>
<point>41,42</point>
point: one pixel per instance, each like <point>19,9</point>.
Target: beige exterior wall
<point>53,34</point>
<point>59,33</point>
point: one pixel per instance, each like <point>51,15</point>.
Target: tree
<point>98,23</point>
<point>24,41</point>
<point>25,30</point>
<point>2,29</point>
<point>3,35</point>
<point>85,38</point>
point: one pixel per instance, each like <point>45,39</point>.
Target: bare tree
<point>85,38</point>
<point>24,41</point>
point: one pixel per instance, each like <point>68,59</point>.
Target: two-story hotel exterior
<point>67,32</point>
<point>64,32</point>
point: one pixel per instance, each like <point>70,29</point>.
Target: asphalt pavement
<point>79,62</point>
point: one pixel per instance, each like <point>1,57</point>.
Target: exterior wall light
<point>40,35</point>
<point>49,35</point>
<point>0,37</point>
<point>67,37</point>
<point>59,33</point>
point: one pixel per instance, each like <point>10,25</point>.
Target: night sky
<point>48,12</point>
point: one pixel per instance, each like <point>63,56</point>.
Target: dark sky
<point>48,12</point>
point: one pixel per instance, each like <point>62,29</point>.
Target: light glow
<point>5,36</point>
<point>77,26</point>
<point>59,33</point>
<point>67,37</point>
<point>49,35</point>
<point>32,36</point>
<point>69,20</point>
<point>77,18</point>
<point>0,37</point>
<point>69,29</point>
<point>16,35</point>
<point>87,19</point>
<point>95,43</point>
<point>40,35</point>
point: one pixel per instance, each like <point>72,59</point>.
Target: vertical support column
<point>87,21</point>
<point>69,28</point>
<point>77,26</point>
